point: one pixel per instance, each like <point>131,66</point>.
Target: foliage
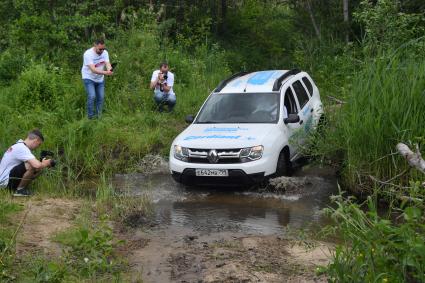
<point>384,107</point>
<point>53,99</point>
<point>7,233</point>
<point>259,36</point>
<point>379,74</point>
<point>373,248</point>
<point>91,250</point>
<point>386,25</point>
<point>11,65</point>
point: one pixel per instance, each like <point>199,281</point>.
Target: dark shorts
<point>15,176</point>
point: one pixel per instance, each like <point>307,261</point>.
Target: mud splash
<point>222,235</point>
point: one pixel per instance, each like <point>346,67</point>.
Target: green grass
<point>89,246</point>
<point>384,106</point>
<point>8,230</point>
<point>53,99</point>
<point>373,248</point>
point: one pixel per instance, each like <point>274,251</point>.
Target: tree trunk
<point>223,16</point>
<point>346,21</point>
<point>313,21</point>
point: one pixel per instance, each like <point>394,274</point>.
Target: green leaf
<point>411,213</point>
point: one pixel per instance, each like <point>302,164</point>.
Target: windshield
<point>240,108</point>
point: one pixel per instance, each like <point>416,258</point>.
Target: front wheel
<point>284,165</point>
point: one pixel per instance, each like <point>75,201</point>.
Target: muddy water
<point>183,216</point>
<point>254,211</point>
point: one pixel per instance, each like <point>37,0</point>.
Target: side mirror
<point>292,118</point>
<point>189,119</point>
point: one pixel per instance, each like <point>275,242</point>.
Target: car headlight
<point>181,153</point>
<point>251,153</point>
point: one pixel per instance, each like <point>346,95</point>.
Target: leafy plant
<point>90,250</point>
<point>373,248</point>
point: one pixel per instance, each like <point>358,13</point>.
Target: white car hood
<point>224,135</point>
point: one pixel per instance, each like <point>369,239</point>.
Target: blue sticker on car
<point>211,137</point>
<point>213,129</point>
<point>261,78</point>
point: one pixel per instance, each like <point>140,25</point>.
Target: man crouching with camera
<point>19,166</point>
<point>162,82</point>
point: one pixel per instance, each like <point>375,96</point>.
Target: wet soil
<point>40,221</point>
<point>223,235</point>
<point>204,234</point>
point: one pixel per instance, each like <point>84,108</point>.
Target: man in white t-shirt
<point>162,82</point>
<point>19,167</point>
<point>95,65</point>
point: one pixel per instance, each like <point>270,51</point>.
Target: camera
<point>161,85</point>
<point>47,153</point>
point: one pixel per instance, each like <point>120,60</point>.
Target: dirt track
<point>172,256</point>
<point>205,258</point>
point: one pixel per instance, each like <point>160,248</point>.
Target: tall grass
<point>385,105</point>
<point>373,248</point>
<point>53,98</point>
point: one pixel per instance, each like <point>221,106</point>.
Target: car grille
<point>225,156</point>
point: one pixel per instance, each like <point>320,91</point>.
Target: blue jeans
<point>162,98</point>
<point>95,92</point>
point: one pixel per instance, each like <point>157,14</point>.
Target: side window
<point>289,102</point>
<point>308,85</point>
<point>300,93</point>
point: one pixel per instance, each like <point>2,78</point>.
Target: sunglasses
<point>101,49</point>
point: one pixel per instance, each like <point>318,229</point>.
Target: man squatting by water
<point>162,82</point>
<point>19,166</point>
<point>95,60</point>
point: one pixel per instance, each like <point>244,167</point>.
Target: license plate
<point>212,172</point>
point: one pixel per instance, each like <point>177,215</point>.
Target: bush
<point>40,88</point>
<point>373,249</point>
<point>11,65</point>
<point>386,25</point>
<point>384,106</point>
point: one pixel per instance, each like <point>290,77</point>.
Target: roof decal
<point>261,78</point>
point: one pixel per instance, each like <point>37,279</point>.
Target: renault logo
<point>213,156</point>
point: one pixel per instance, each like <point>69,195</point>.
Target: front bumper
<point>236,178</point>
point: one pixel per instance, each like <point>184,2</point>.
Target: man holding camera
<point>19,166</point>
<point>162,82</point>
<point>95,66</point>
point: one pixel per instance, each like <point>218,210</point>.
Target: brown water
<point>254,211</point>
<point>187,222</point>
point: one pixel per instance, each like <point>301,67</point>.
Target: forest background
<point>367,58</point>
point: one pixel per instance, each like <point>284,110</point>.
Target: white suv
<point>249,128</point>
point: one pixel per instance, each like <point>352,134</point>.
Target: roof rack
<point>223,83</point>
<point>277,84</point>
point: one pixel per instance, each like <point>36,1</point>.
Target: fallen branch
<point>339,101</point>
<point>388,183</point>
<point>414,159</point>
<point>411,199</point>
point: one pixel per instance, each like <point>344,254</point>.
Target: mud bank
<point>225,258</point>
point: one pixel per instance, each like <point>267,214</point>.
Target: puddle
<point>256,212</point>
<point>190,224</point>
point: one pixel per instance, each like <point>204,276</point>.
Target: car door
<point>291,130</point>
<point>304,104</point>
<point>315,102</point>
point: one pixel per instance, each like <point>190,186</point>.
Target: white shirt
<point>170,80</point>
<point>15,155</point>
<point>99,61</point>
